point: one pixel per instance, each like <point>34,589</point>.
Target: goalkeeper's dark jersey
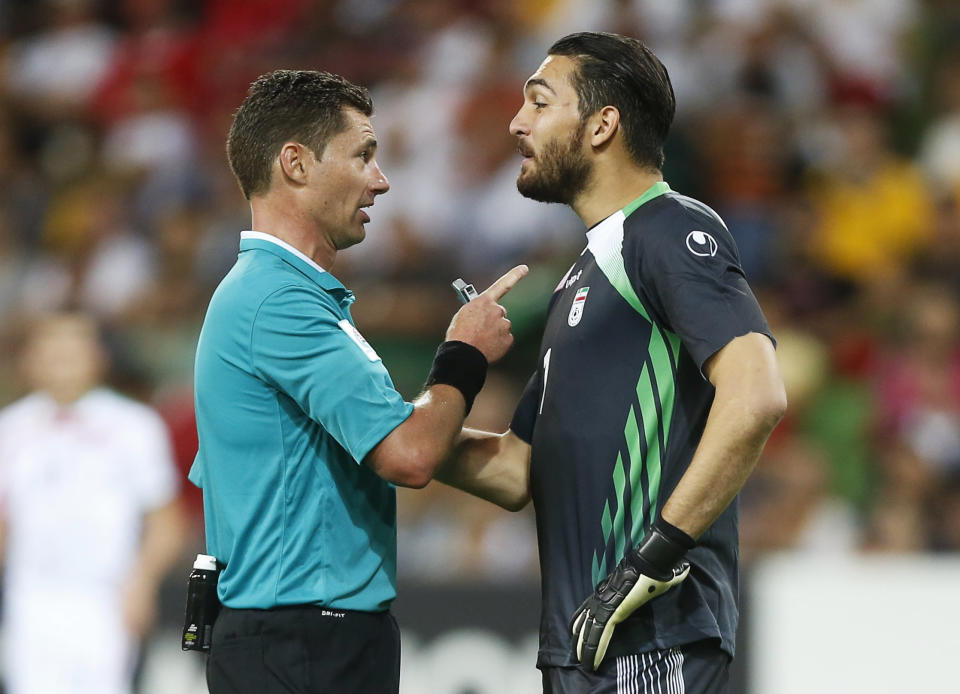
<point>616,409</point>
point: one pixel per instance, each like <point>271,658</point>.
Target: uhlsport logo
<point>573,279</point>
<point>702,244</point>
<point>576,310</point>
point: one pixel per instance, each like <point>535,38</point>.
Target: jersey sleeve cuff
<point>379,433</point>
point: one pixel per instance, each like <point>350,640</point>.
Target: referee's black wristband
<point>459,365</point>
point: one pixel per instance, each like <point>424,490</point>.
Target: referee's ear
<point>602,126</point>
<point>293,165</point>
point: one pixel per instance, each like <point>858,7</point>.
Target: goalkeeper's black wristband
<point>661,550</point>
<point>674,533</point>
<point>459,365</point>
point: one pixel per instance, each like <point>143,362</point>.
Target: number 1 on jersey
<point>546,372</point>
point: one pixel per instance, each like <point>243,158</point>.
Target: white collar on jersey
<point>270,238</point>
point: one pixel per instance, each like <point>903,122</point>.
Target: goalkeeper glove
<point>647,571</point>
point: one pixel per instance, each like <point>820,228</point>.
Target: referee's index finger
<point>498,289</point>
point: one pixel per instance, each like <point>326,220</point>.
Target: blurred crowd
<point>825,132</point>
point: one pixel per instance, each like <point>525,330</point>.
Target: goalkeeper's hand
<point>647,571</point>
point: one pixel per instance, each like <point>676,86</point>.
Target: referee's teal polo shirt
<point>290,399</point>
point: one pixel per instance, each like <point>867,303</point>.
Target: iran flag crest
<point>576,310</point>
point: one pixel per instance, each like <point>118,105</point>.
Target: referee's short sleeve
<point>691,272</point>
<point>301,346</point>
<point>525,416</point>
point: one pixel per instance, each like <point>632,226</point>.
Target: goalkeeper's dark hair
<point>303,106</point>
<point>620,71</point>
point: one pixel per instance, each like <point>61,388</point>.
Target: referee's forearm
<point>410,454</point>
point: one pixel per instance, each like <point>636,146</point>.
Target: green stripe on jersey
<point>655,393</point>
<point>632,433</point>
<point>606,244</point>
<point>654,191</point>
<point>619,487</point>
<point>662,380</point>
<point>650,466</point>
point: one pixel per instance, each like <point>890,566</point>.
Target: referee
<point>656,390</point>
<point>302,434</point>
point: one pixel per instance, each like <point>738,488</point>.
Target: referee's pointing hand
<point>483,321</point>
<point>499,289</point>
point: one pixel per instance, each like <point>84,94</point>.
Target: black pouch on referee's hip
<point>203,605</point>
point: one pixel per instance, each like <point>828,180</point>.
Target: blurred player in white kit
<point>89,519</point>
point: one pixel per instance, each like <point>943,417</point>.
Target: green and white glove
<point>647,571</point>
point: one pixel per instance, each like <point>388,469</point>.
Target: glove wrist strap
<point>663,547</point>
<point>674,534</point>
<point>459,365</point>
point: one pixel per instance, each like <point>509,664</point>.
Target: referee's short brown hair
<point>304,106</point>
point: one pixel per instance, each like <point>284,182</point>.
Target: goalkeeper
<point>656,389</point>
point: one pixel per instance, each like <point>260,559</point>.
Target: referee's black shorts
<point>304,650</point>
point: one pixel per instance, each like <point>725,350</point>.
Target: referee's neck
<point>280,218</point>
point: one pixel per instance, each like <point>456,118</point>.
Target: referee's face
<point>550,135</point>
<point>344,180</point>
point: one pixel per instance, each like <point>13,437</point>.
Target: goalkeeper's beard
<point>561,174</point>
